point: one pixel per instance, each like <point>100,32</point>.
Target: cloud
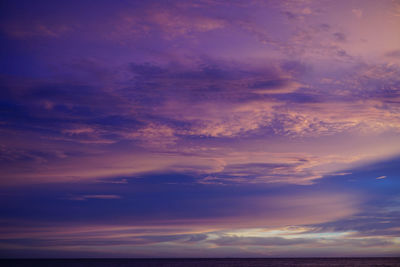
<point>260,241</point>
<point>201,216</point>
<point>357,12</point>
<point>294,172</point>
<point>87,197</point>
<point>178,24</point>
<point>166,107</point>
<point>394,54</point>
<point>35,29</point>
<point>340,37</point>
<point>167,21</point>
<point>368,224</point>
<point>153,135</point>
<point>79,131</point>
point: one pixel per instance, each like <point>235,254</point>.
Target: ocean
<point>226,262</point>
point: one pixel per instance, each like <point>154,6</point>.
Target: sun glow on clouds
<point>203,128</point>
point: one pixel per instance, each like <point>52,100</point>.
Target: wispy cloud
<point>87,197</point>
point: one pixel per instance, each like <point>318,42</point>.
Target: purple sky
<point>199,128</point>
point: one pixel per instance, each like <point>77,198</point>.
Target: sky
<point>202,128</point>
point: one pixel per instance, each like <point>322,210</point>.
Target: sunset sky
<point>204,128</point>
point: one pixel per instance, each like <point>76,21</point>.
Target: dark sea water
<point>203,262</point>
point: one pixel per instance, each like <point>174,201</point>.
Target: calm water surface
<point>204,262</point>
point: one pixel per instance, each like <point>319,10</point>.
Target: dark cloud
<point>147,69</point>
<point>340,37</point>
<point>300,97</point>
<point>395,54</point>
<point>268,84</point>
<point>325,27</point>
<point>291,15</point>
<point>295,67</point>
<point>98,240</point>
<point>260,241</point>
<point>365,225</point>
